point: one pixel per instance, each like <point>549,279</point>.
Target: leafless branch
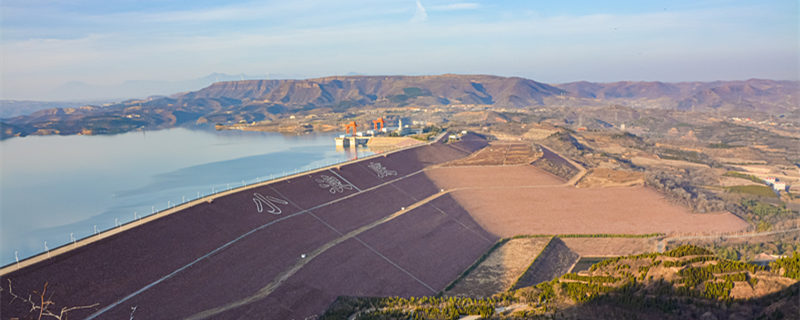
<point>44,304</point>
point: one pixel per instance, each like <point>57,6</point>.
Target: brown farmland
<point>514,200</point>
<point>491,176</point>
<point>565,210</point>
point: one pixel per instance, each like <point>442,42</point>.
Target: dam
<point>282,249</point>
<point>405,223</point>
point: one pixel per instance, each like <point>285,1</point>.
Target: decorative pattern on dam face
<point>380,170</point>
<point>269,201</point>
<point>334,184</point>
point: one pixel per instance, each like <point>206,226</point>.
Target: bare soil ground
<point>500,153</point>
<point>648,161</point>
<point>605,177</point>
<point>767,284</point>
<point>552,210</point>
<point>388,143</point>
<point>538,133</point>
<point>735,155</point>
<point>464,177</point>
<point>500,269</point>
<point>610,247</point>
<point>514,200</point>
<point>732,181</point>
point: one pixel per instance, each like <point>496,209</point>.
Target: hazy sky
<point>48,43</point>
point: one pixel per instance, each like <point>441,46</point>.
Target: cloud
<point>456,6</point>
<point>420,15</point>
<point>364,37</point>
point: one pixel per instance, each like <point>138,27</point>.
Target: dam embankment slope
<point>229,258</point>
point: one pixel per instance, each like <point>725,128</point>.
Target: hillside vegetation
<point>684,283</point>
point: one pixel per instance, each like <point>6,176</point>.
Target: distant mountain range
<point>753,94</point>
<point>81,91</point>
<point>15,108</point>
<point>255,100</point>
<point>74,94</point>
<point>385,90</point>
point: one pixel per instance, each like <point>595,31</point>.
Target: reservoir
<point>56,189</point>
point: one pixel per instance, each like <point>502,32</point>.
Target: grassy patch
<point>761,191</point>
<point>721,145</point>
<point>683,155</point>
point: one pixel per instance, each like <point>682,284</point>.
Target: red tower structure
<point>350,126</point>
<point>376,122</point>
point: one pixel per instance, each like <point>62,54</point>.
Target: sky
<point>47,44</point>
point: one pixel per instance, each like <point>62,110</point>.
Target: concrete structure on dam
<point>282,249</point>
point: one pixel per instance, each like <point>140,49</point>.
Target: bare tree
<point>42,304</point>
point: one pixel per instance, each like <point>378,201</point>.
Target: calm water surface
<point>52,186</point>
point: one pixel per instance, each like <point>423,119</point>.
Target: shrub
<point>687,250</point>
<point>591,279</point>
<point>582,292</point>
<point>790,266</point>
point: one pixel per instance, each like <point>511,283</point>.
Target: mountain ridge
<point>259,100</point>
<point>441,89</point>
<point>688,95</point>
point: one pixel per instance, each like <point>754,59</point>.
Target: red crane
<point>350,126</point>
<point>376,122</point>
